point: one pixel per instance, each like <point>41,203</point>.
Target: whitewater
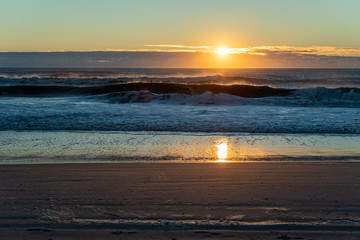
<point>297,105</point>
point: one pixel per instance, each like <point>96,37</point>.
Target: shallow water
<point>69,146</point>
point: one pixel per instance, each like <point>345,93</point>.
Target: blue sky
<point>79,25</point>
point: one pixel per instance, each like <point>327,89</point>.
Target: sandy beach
<point>179,120</point>
<point>267,200</point>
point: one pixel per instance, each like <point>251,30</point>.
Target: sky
<point>255,33</point>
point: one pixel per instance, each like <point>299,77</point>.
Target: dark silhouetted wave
<point>246,91</point>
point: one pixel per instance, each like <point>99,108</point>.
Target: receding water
<point>68,146</point>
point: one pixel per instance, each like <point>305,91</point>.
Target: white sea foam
<point>316,97</point>
<point>79,113</point>
<point>109,99</point>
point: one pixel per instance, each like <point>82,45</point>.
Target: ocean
<point>58,115</point>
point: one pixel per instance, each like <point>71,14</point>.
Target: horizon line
<point>256,50</point>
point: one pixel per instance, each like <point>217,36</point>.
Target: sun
<point>222,51</point>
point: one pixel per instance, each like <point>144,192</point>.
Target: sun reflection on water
<point>222,146</point>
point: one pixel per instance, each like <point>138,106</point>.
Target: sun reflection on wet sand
<point>222,146</point>
<point>227,152</point>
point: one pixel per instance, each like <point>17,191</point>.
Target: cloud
<point>315,50</point>
<point>165,46</point>
<point>264,50</point>
<point>257,50</point>
<point>99,61</point>
<point>179,46</point>
<point>181,56</point>
<point>131,50</point>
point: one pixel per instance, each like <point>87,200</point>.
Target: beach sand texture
<point>254,200</point>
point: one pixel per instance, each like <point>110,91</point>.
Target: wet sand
<point>267,200</point>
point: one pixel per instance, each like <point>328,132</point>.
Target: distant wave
<point>104,75</point>
<point>100,78</point>
<point>87,80</point>
<point>109,79</point>
<point>196,94</point>
<point>246,91</point>
<point>89,77</point>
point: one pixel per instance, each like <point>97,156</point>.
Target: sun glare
<point>222,147</point>
<point>222,51</point>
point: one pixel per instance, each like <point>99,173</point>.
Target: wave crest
<point>246,91</point>
<point>196,94</point>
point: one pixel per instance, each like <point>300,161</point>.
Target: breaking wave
<point>156,88</point>
<point>290,79</point>
<point>215,94</point>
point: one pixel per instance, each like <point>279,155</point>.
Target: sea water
<point>150,115</point>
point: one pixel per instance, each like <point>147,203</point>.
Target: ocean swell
<point>246,91</point>
<point>180,93</point>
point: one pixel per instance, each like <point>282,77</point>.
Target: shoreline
<point>242,200</point>
<point>67,146</point>
<point>185,162</point>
